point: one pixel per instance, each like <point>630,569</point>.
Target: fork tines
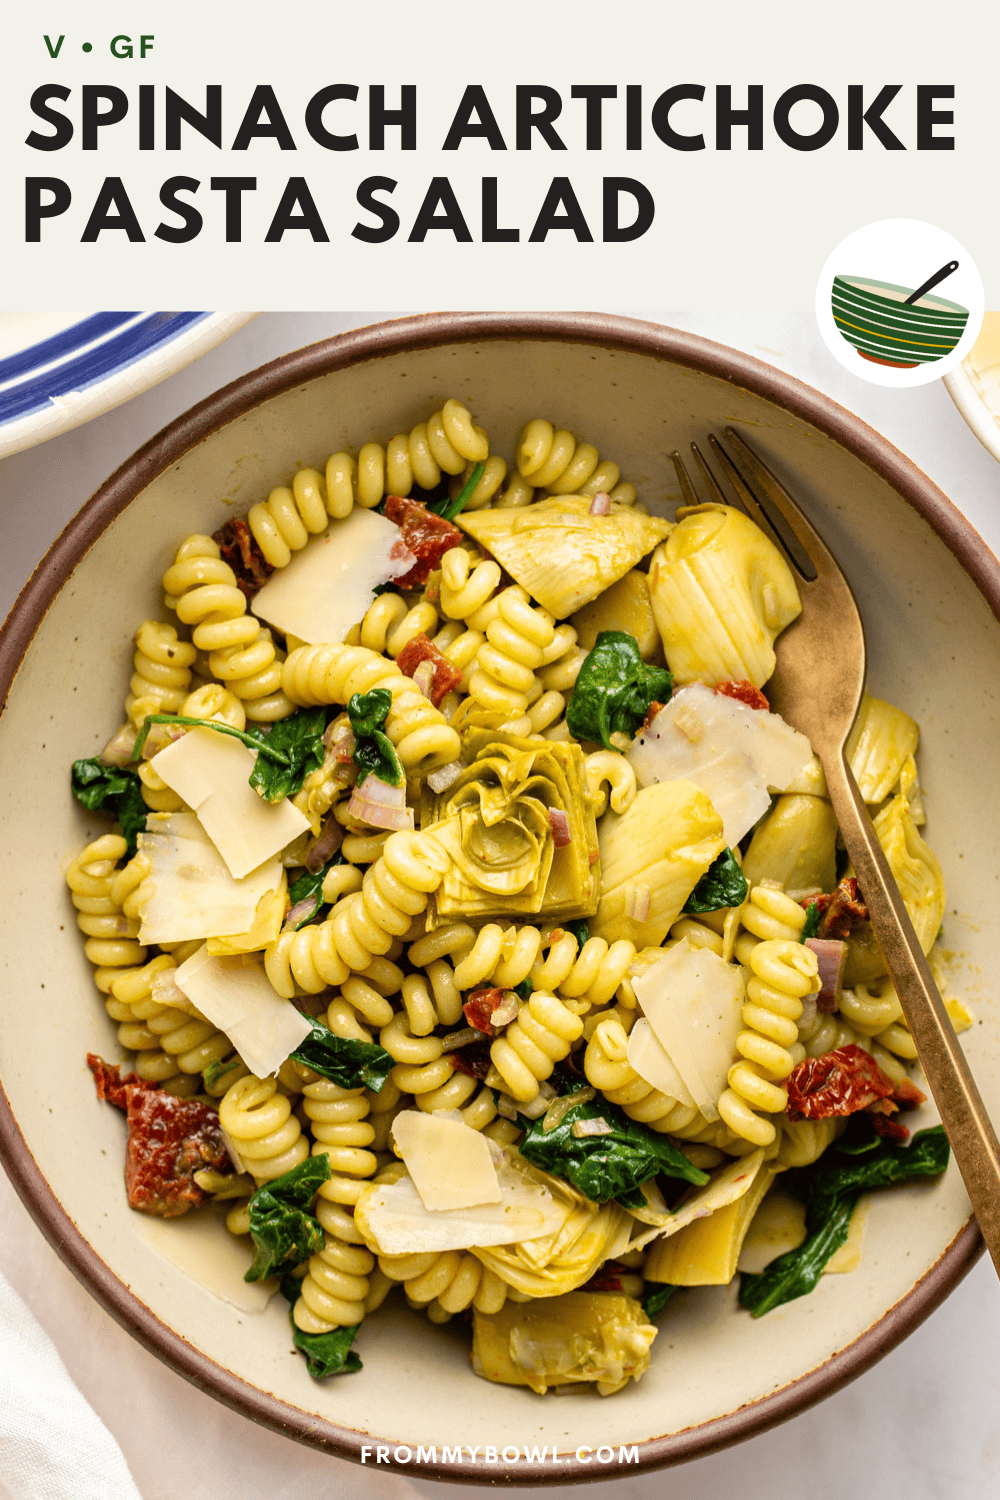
<point>759,493</point>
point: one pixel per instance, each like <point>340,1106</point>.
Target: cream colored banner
<point>532,153</point>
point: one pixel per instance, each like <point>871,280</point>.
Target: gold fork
<point>817,689</point>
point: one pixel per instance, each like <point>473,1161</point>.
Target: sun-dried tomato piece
<point>169,1139</point>
<point>445,679</point>
<point>839,1083</point>
<point>479,1008</point>
<point>473,1060</point>
<point>907,1095</point>
<point>888,1129</point>
<point>651,712</point>
<point>607,1278</point>
<point>110,1083</point>
<point>842,912</point>
<point>240,549</point>
<point>426,535</point>
<point>744,692</point>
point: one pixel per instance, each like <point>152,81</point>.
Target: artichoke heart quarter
<point>652,857</point>
<point>560,553</point>
<point>495,823</point>
<point>721,593</point>
<point>598,1337</point>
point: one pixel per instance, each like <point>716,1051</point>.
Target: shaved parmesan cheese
<point>189,893</point>
<point>652,1064</point>
<point>236,995</point>
<point>394,1220</point>
<point>212,773</point>
<point>450,1163</point>
<point>738,756</point>
<point>327,587</point>
<point>727,1186</point>
<point>693,1001</point>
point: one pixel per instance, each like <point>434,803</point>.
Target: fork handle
<point>963,1113</point>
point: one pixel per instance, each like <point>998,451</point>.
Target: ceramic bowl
<point>875,317</point>
<point>60,369</point>
<point>928,589</point>
<point>974,385</point>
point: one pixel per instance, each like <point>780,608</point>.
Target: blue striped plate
<point>60,369</point>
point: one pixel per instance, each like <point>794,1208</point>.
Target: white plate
<point>974,385</point>
<point>59,369</point>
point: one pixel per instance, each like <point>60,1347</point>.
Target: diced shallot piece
<point>831,955</point>
<point>507,1010</point>
<point>380,805</point>
<point>598,1126</point>
<point>324,846</point>
<point>559,823</point>
<point>556,1112</point>
<point>600,505</point>
<point>440,780</point>
<point>538,1106</point>
<point>423,677</point>
<point>118,750</point>
<point>637,903</point>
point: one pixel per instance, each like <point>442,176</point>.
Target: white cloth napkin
<point>53,1446</point>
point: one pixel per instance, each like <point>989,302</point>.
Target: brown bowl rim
<point>377,341</point>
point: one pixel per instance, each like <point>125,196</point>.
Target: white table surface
<point>924,1423</point>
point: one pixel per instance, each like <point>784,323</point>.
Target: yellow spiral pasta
<point>783,973</point>
<point>203,590</point>
<point>112,935</point>
<point>446,1282</point>
<point>258,1119</point>
<point>161,672</point>
<point>362,926</point>
<point>555,461</point>
<point>531,1046</point>
<point>606,1067</point>
<point>336,1285</point>
<point>466,588</point>
<point>585,976</point>
<point>445,443</point>
<point>606,768</point>
<point>333,674</point>
<point>389,625</point>
<point>516,641</point>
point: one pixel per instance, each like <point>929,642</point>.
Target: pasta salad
<point>472,926</point>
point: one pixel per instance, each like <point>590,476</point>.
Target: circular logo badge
<point>899,302</point>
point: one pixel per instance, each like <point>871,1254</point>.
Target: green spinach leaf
<point>328,1353</point>
<point>655,1301</point>
<point>830,1190</point>
<point>325,1353</point>
<point>299,738</point>
<point>723,884</point>
<point>374,752</point>
<point>603,1167</point>
<point>813,918</point>
<point>447,508</point>
<point>283,1233</point>
<point>348,1063</point>
<point>96,785</point>
<point>614,690</point>
<point>309,887</point>
<point>525,989</point>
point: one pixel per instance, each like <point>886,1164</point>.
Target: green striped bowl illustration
<point>876,319</point>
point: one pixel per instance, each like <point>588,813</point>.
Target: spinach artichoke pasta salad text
<point>499,946</point>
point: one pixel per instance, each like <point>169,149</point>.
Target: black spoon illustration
<point>931,282</point>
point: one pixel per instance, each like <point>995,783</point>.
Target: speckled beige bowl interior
<point>928,591</point>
